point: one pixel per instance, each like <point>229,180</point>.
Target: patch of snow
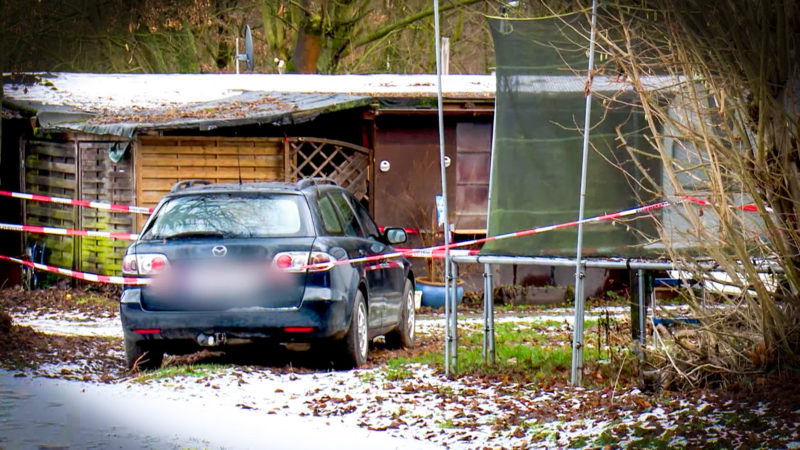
<point>70,324</point>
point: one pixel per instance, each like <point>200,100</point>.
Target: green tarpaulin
<point>540,105</point>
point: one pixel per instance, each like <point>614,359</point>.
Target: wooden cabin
<point>127,138</point>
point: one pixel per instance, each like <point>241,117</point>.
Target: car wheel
<point>403,335</point>
<point>141,356</point>
<point>356,342</point>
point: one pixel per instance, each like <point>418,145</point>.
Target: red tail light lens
<point>283,261</point>
<point>320,258</point>
<point>298,329</point>
<point>144,264</point>
<point>299,261</point>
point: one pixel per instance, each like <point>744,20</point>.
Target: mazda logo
<point>219,251</point>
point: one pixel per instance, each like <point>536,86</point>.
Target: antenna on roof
<point>247,56</point>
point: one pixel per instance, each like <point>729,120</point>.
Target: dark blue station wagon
<point>264,262</point>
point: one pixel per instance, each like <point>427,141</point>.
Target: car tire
<point>141,356</point>
<point>403,335</point>
<point>356,341</point>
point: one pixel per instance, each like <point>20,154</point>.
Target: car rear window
<point>231,216</point>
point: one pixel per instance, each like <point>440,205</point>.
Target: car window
<point>349,220</point>
<point>231,215</point>
<point>366,221</point>
<point>330,221</point>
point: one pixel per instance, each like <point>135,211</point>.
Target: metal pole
<point>489,296</point>
<point>454,318</point>
<point>236,57</point>
<point>577,339</point>
<point>488,290</point>
<point>642,292</point>
<point>485,313</point>
<point>449,335</point>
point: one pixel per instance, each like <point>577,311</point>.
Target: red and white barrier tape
<point>130,281</point>
<point>429,252</point>
<point>85,203</point>
<point>537,230</point>
<point>439,250</point>
<point>748,208</point>
<point>69,231</point>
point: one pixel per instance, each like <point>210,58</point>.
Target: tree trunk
<point>307,50</point>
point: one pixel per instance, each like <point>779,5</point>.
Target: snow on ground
<point>47,413</point>
<point>418,409</point>
<point>411,406</point>
<point>70,324</point>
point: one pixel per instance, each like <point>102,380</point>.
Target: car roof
<point>300,187</point>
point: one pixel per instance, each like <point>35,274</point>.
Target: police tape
<point>84,203</point>
<point>93,277</point>
<point>144,210</point>
<point>439,251</point>
<point>747,207</point>
<point>68,231</point>
<point>430,252</point>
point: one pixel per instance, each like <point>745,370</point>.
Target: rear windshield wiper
<point>194,234</point>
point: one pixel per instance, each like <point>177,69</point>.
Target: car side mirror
<point>395,235</point>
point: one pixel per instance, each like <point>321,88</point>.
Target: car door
<point>393,273</point>
<point>357,245</point>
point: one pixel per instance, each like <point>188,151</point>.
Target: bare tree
<point>728,130</point>
<point>327,36</point>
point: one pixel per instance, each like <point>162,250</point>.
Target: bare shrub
<point>728,131</point>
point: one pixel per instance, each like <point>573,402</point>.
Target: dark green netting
<point>540,106</point>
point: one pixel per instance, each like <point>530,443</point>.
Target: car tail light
<point>144,264</point>
<point>147,330</point>
<point>299,261</point>
<point>298,329</point>
<point>283,261</point>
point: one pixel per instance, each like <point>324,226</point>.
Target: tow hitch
<point>212,340</point>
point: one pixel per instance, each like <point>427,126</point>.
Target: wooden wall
<point>163,161</point>
<point>78,166</point>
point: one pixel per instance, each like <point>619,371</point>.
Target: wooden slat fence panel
<point>163,161</point>
<point>104,180</point>
<point>50,170</point>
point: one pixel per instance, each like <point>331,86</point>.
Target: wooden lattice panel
<point>347,164</point>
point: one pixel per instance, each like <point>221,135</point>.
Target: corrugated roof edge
<point>287,111</point>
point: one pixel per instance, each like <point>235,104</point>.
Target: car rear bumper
<point>318,317</point>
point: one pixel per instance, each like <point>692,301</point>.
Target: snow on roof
<point>96,92</point>
<point>122,103</point>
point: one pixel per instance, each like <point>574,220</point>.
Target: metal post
<point>642,313</point>
<point>488,315</point>
<point>447,261</point>
<point>454,317</point>
<point>577,339</point>
<point>485,314</point>
<point>236,57</point>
